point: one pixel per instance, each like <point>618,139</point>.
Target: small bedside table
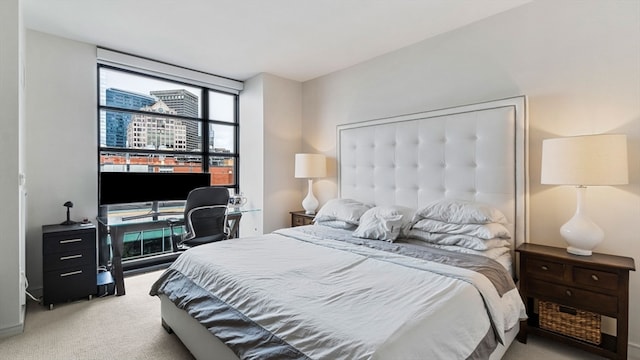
<point>598,284</point>
<point>299,218</point>
<point>68,263</point>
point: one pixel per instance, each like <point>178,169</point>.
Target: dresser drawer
<point>62,242</point>
<point>300,221</point>
<point>299,218</point>
<point>595,278</point>
<point>544,269</point>
<point>574,297</point>
<point>67,259</point>
<point>69,283</point>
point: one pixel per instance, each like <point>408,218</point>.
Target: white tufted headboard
<point>473,152</point>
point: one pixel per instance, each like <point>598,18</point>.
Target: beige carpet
<point>128,327</point>
<point>112,327</point>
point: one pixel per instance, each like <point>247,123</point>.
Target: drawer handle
<point>71,273</point>
<point>567,310</point>
<point>70,241</point>
<point>595,277</point>
<point>569,293</point>
<point>544,267</point>
<point>70,257</point>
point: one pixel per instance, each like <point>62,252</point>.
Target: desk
<point>115,225</point>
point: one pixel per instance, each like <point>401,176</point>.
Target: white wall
<point>12,241</point>
<point>578,61</point>
<point>251,161</point>
<point>62,139</point>
<point>270,133</point>
<point>283,138</point>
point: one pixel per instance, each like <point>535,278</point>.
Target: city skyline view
<point>134,92</point>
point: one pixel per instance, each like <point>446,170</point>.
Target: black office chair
<point>205,218</point>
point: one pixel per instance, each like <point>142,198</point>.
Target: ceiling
<point>295,39</point>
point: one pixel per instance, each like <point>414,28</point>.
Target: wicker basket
<point>579,324</point>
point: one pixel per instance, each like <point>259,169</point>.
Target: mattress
<point>317,292</point>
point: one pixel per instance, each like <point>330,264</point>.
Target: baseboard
<point>13,330</point>
<point>633,352</point>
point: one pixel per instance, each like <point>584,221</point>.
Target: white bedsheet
<point>335,300</point>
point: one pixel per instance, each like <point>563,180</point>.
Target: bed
<point>372,278</point>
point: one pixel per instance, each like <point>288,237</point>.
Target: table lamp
<point>310,166</point>
<point>584,161</point>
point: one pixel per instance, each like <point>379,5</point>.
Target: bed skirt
<point>203,345</point>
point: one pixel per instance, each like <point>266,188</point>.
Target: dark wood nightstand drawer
<point>69,284</point>
<point>67,259</point>
<point>568,295</point>
<point>595,278</point>
<point>69,241</point>
<point>300,221</point>
<point>545,269</point>
<point>299,218</point>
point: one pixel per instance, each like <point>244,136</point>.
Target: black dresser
<point>68,262</point>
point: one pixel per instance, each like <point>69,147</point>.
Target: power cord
<point>26,285</point>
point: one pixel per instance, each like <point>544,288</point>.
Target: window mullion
<point>205,131</point>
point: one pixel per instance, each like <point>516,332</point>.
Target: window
<point>149,124</point>
<point>154,119</point>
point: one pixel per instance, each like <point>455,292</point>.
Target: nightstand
<point>299,218</point>
<point>597,284</point>
<point>68,262</point>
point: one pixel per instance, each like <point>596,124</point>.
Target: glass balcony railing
<point>146,243</point>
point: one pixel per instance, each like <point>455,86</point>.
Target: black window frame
<point>163,259</point>
<point>204,120</point>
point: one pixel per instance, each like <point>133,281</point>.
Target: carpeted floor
<point>128,327</point>
<point>112,327</point>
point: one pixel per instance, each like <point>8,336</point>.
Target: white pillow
<point>347,210</point>
<point>460,212</point>
<point>491,253</point>
<point>464,241</point>
<point>384,223</point>
<point>483,231</point>
<point>336,224</point>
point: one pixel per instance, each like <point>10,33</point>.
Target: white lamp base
<point>580,232</point>
<point>310,203</point>
<point>576,251</point>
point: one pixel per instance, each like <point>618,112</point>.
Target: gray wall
<point>62,138</point>
<point>578,61</point>
<point>12,123</point>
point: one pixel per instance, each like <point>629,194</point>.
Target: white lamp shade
<point>585,160</point>
<point>310,166</point>
<point>581,161</point>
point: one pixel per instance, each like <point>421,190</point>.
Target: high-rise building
<point>154,131</point>
<point>185,104</point>
<point>118,122</point>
